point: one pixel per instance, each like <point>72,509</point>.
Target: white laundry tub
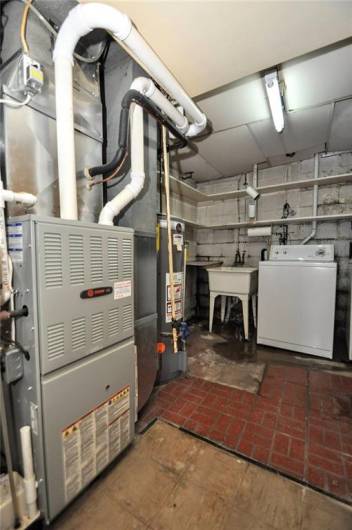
<point>233,281</point>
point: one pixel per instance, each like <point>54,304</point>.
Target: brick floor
<point>299,423</point>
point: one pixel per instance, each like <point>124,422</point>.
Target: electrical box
<point>33,76</point>
<point>78,388</point>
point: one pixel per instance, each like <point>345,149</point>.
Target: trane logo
<point>94,293</point>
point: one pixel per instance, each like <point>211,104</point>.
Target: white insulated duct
<point>135,186</point>
<point>81,20</point>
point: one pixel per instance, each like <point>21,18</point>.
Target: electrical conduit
<point>81,20</point>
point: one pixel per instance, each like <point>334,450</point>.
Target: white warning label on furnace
<point>94,440</point>
<point>122,289</point>
<point>15,241</point>
<point>178,291</point>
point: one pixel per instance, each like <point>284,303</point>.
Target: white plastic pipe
<point>6,266</point>
<point>135,42</point>
<point>30,487</point>
<point>315,201</point>
<point>135,186</point>
<point>81,20</point>
<point>146,87</point>
<point>27,199</point>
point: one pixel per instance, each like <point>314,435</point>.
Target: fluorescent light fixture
<point>273,90</point>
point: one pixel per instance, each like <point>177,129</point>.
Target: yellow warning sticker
<point>92,441</point>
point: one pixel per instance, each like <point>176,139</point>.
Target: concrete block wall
<point>222,244</point>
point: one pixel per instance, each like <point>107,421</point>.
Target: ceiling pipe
<point>81,20</point>
<point>146,87</point>
<point>315,201</point>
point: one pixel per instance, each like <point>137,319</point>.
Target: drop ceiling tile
<point>194,162</point>
<point>269,141</point>
<point>306,128</point>
<point>341,127</point>
<point>231,151</point>
<point>304,154</point>
<point>241,103</point>
<point>321,77</point>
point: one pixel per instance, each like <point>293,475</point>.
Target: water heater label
<point>122,289</point>
<point>178,292</point>
<point>91,442</point>
<point>178,241</point>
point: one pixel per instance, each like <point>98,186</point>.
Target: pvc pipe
<point>135,42</point>
<point>81,20</point>
<point>315,201</point>
<point>146,87</point>
<point>30,487</point>
<point>129,192</point>
<point>6,266</point>
<point>26,199</point>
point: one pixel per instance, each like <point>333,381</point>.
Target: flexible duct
<point>135,186</point>
<point>81,20</point>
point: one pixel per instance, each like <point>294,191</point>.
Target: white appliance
<point>296,299</point>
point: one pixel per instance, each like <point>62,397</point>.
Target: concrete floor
<point>172,480</point>
<point>225,342</point>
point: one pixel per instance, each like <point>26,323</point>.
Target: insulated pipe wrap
<point>84,18</point>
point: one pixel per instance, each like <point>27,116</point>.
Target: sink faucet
<point>239,258</point>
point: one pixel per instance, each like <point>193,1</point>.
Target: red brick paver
<point>300,422</point>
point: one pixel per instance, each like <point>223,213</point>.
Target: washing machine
<point>296,299</point>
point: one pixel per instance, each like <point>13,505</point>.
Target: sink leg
<point>245,311</point>
<point>211,310</point>
<point>223,307</point>
<point>254,309</point>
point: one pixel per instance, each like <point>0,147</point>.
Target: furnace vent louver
<point>56,340</point>
<point>113,258</point>
<point>76,259</point>
<point>127,261</point>
<point>97,327</point>
<point>127,317</point>
<point>78,333</point>
<point>53,260</point>
<point>113,321</point>
<point>96,259</point>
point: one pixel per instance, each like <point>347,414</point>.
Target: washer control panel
<point>302,253</point>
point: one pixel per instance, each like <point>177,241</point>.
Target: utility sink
<point>233,280</point>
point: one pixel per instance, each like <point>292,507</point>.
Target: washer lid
<point>302,253</point>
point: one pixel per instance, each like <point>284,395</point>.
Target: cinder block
<point>344,230</point>
<point>209,250</point>
<point>326,230</point>
<point>205,236</point>
<point>328,195</point>
<point>345,194</point>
